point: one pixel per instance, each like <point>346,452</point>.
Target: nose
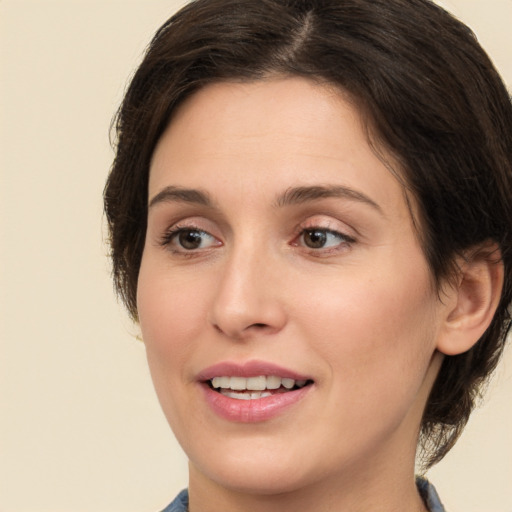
<point>249,298</point>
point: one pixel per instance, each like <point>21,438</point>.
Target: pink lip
<point>250,411</point>
<point>249,369</point>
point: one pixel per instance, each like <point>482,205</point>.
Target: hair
<point>430,96</point>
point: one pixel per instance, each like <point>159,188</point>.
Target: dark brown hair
<point>431,98</point>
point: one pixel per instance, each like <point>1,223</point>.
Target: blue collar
<point>425,488</point>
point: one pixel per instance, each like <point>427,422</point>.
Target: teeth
<point>259,383</point>
<point>273,382</point>
<point>239,396</point>
<point>246,396</point>
<point>288,383</point>
<point>220,382</point>
<point>238,383</point>
<point>260,394</point>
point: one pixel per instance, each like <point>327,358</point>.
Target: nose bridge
<point>247,297</point>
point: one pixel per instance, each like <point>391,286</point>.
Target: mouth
<point>254,391</point>
<point>255,388</point>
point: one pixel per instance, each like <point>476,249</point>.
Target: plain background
<point>80,427</point>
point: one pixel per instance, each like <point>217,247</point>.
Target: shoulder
<point>180,503</point>
<point>426,489</point>
<point>429,495</point>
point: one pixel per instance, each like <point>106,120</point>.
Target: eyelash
<point>174,232</point>
<point>345,241</point>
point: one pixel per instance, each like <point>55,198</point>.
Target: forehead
<point>273,109</point>
<point>271,134</point>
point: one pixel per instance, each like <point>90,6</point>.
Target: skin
<point>359,315</point>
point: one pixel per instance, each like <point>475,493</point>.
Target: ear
<point>472,300</point>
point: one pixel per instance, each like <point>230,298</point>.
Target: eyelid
<point>167,236</point>
<point>172,233</point>
<point>326,225</point>
<point>345,238</point>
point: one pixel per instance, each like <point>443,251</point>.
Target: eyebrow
<point>299,195</point>
<point>292,196</point>
<point>184,195</point>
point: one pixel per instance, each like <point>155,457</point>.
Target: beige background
<point>80,428</point>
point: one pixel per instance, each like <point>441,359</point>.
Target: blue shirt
<point>425,488</point>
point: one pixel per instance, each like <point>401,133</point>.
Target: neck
<point>354,490</point>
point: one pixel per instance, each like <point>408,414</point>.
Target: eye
<point>189,239</point>
<point>320,238</point>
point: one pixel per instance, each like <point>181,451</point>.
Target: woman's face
<point>280,254</point>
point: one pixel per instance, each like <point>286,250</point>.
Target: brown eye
<point>191,239</point>
<point>188,239</point>
<point>315,238</point>
<point>319,238</point>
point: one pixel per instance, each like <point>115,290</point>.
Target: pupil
<point>315,239</point>
<point>190,239</point>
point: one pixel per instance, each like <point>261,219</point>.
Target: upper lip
<point>253,368</point>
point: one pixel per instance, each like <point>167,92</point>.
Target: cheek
<point>171,315</point>
<point>378,334</point>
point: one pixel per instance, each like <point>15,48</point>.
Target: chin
<point>257,479</point>
<point>260,471</point>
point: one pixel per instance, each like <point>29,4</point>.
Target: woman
<point>310,219</point>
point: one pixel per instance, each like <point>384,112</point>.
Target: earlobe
<point>474,299</point>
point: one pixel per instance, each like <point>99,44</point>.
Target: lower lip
<point>252,411</point>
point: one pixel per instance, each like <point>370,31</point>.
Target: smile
<point>253,391</point>
<point>254,388</point>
